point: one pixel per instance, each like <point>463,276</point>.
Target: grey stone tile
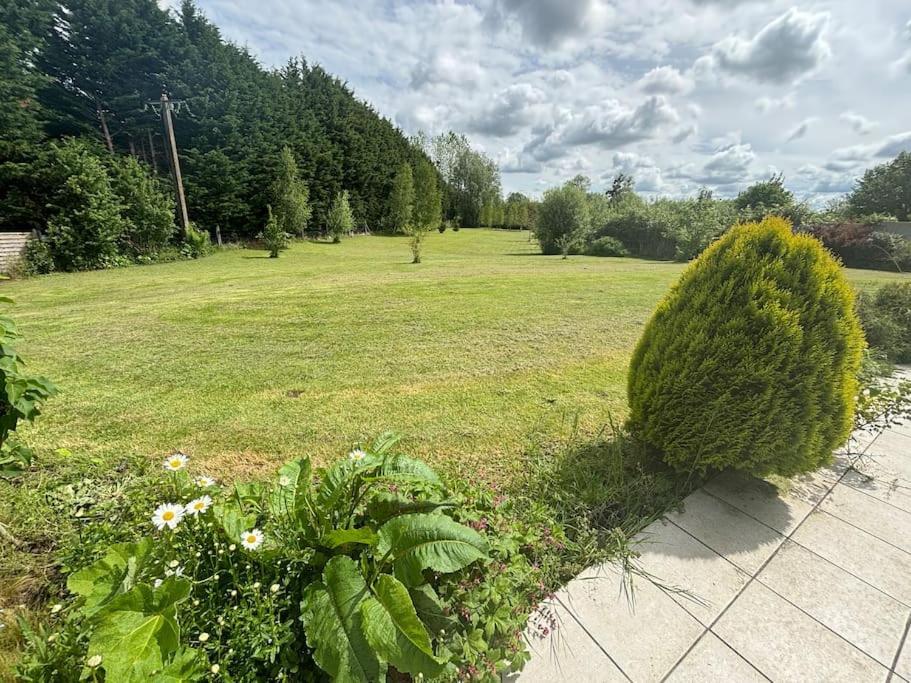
<point>861,614</point>
<point>760,499</point>
<point>566,653</point>
<point>787,645</point>
<point>728,531</point>
<point>877,518</point>
<point>892,452</point>
<point>712,660</point>
<point>644,631</point>
<point>696,577</point>
<point>888,488</point>
<point>903,665</point>
<point>859,553</point>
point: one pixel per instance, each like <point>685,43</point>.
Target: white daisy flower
<point>167,515</point>
<point>274,588</point>
<point>205,482</point>
<point>195,507</point>
<point>157,583</point>
<point>357,455</point>
<point>203,637</point>
<point>251,540</point>
<point>215,668</point>
<point>175,461</point>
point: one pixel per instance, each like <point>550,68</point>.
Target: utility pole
<point>166,108</point>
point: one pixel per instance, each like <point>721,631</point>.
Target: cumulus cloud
<point>511,110</point>
<point>643,169</point>
<point>801,129</point>
<point>727,166</point>
<point>785,50</point>
<point>547,23</point>
<point>609,125</point>
<point>446,67</point>
<point>518,162</point>
<point>854,155</point>
<point>861,124</point>
<point>767,104</point>
<point>665,80</point>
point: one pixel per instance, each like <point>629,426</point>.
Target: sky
<point>679,93</point>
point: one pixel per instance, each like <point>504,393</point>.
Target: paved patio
<point>749,582</point>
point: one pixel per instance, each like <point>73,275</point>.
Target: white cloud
<point>861,124</point>
<point>785,50</point>
<point>767,104</point>
<point>511,110</point>
<point>548,22</point>
<point>665,80</point>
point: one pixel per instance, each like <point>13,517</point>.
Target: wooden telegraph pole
<point>166,108</point>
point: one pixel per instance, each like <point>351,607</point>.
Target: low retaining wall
<point>12,244</point>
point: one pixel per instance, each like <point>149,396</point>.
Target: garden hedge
<point>751,360</point>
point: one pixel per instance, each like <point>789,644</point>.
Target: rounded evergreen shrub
<point>751,360</point>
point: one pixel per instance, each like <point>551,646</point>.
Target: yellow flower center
<point>168,516</point>
<point>251,539</point>
<point>175,464</point>
<point>200,505</point>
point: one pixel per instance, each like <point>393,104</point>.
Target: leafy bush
<point>37,258</point>
<point>606,246</point>
<point>886,319</point>
<point>751,360</point>
<point>340,220</point>
<point>147,210</point>
<point>84,220</point>
<point>274,238</point>
<point>371,567</point>
<point>291,197</point>
<point>563,217</point>
<point>196,244</point>
<point>21,398</point>
<point>858,245</point>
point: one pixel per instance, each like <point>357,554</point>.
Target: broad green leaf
<point>384,505</point>
<point>339,537</point>
<point>394,630</point>
<point>288,494</point>
<point>331,612</point>
<point>6,300</point>
<point>419,542</point>
<point>128,645</point>
<point>430,609</point>
<point>384,442</point>
<point>232,519</point>
<point>185,666</point>
<point>410,468</point>
<point>112,575</point>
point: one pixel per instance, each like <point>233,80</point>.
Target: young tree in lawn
<point>291,197</point>
<point>340,219</point>
<point>563,217</point>
<point>274,238</point>
<point>427,206</point>
<point>401,201</point>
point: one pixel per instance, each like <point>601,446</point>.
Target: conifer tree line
<point>76,84</point>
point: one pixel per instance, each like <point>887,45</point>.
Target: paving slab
<point>870,559</point>
<point>728,531</point>
<point>785,644</point>
<point>860,613</point>
<point>877,518</point>
<point>712,660</point>
<point>644,631</point>
<point>565,653</point>
<point>695,576</point>
<point>892,452</point>
<point>761,500</point>
<point>881,484</point>
<point>903,665</point>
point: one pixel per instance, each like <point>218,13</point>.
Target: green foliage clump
<point>563,217</point>
<point>884,189</point>
<point>751,361</point>
<point>273,237</point>
<point>367,569</point>
<point>606,246</point>
<point>427,212</point>
<point>401,200</point>
<point>148,210</point>
<point>21,398</point>
<point>886,319</point>
<point>196,244</point>
<point>340,220</point>
<point>84,219</point>
<point>291,197</point>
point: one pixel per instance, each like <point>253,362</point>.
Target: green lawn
<point>243,361</point>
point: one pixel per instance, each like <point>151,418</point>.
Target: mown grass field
<point>244,361</point>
